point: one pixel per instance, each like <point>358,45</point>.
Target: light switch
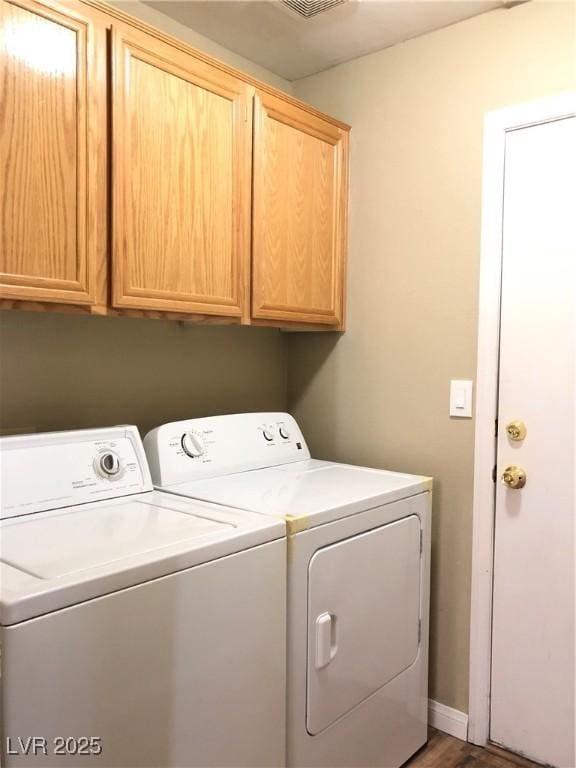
<point>461,398</point>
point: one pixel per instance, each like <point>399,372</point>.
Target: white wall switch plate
<point>461,398</point>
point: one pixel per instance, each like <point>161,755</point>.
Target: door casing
<point>496,126</point>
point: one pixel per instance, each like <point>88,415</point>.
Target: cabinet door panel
<point>299,214</point>
<point>50,153</point>
<point>181,181</point>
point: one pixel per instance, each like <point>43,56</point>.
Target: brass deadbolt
<point>514,477</point>
<point>516,430</point>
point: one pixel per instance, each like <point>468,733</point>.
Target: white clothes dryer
<point>136,626</point>
<point>358,579</point>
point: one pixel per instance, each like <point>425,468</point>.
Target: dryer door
<point>363,617</point>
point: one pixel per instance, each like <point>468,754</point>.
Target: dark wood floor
<point>443,751</point>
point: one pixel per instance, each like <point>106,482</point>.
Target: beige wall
<point>64,371</point>
<point>61,371</point>
<point>379,394</point>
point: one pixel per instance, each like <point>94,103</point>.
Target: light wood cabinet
<point>142,177</point>
<point>52,236</point>
<point>181,180</point>
<point>299,205</point>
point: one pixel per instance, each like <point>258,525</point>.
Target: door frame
<point>496,125</point>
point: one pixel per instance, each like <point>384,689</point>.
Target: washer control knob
<point>284,434</point>
<point>191,445</point>
<point>109,464</point>
<point>268,434</point>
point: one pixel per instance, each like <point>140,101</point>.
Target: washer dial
<point>283,432</point>
<point>192,445</point>
<point>108,465</point>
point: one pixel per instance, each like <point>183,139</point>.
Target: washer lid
<point>54,559</point>
<point>64,543</point>
<point>312,492</point>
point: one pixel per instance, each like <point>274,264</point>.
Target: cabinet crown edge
<point>126,18</point>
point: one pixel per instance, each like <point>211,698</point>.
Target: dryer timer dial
<point>192,445</point>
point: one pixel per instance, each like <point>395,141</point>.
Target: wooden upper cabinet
<point>149,190</point>
<point>299,214</point>
<point>180,180</point>
<point>52,152</point>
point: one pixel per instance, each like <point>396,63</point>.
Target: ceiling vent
<point>309,8</point>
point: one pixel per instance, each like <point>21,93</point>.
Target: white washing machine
<point>137,628</point>
<point>358,579</point>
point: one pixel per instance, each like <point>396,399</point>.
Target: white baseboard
<point>447,719</point>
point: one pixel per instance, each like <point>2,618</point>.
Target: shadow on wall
<point>68,372</point>
<point>308,353</point>
<point>441,620</point>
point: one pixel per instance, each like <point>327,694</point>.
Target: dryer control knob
<point>191,445</point>
<point>284,434</point>
<point>268,435</point>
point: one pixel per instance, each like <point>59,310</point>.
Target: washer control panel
<point>60,469</point>
<point>196,449</point>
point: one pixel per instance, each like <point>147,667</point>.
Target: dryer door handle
<point>326,641</point>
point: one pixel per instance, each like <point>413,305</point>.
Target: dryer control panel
<point>197,449</point>
<point>60,469</point>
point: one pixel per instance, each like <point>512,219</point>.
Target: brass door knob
<point>514,477</point>
<point>516,430</point>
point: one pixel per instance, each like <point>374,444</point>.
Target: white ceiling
<point>292,47</point>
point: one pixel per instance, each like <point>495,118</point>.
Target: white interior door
<point>533,648</point>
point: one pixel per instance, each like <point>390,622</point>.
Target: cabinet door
<point>52,152</point>
<point>299,210</point>
<point>181,180</point>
